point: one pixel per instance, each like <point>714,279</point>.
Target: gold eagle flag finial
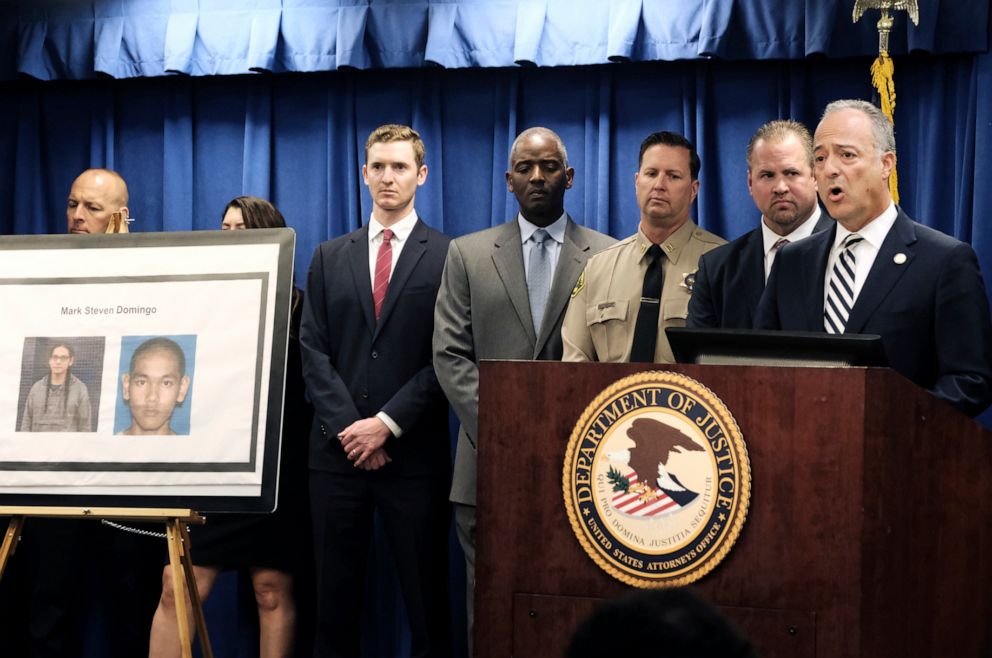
<point>886,20</point>
<point>882,69</point>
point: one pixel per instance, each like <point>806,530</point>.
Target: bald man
<point>48,577</point>
<point>134,560</point>
<point>95,196</point>
<point>490,305</point>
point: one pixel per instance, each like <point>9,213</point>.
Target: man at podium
<point>879,272</point>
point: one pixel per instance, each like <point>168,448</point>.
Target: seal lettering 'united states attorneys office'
<point>657,480</point>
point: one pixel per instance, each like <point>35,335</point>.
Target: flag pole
<point>883,69</point>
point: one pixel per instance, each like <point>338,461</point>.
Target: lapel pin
<point>899,259</point>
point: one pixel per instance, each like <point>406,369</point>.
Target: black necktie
<point>646,329</point>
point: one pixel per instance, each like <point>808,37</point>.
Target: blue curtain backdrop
<point>52,39</point>
<point>294,132</point>
<point>186,145</point>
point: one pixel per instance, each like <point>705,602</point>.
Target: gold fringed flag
<point>882,69</point>
<point>881,76</point>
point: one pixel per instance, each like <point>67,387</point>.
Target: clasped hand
<point>362,442</point>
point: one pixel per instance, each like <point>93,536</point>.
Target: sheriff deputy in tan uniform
<point>622,283</point>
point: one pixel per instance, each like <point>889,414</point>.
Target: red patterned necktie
<point>383,268</point>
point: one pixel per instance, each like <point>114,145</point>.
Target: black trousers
<point>415,514</point>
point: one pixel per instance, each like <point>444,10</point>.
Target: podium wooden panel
<point>868,532</point>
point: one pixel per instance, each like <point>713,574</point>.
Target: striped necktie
<point>840,293</point>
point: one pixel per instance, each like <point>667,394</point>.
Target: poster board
<point>171,353</point>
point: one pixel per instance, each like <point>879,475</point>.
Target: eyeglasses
<point>60,358</point>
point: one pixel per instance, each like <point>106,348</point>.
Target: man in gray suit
<point>503,296</point>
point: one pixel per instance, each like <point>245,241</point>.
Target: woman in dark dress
<point>269,546</point>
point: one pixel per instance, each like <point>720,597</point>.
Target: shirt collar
<point>804,230</point>
<point>873,232</point>
<point>556,230</point>
<point>401,229</point>
<point>671,247</point>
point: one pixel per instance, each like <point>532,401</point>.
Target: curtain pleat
<point>77,39</point>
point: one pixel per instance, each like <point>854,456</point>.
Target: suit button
<point>375,355</point>
<point>365,395</point>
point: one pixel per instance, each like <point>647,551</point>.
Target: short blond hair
<point>394,132</point>
<point>779,130</point>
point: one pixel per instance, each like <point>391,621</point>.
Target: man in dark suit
<point>379,441</point>
<point>732,277</point>
<point>495,304</point>
<point>879,272</point>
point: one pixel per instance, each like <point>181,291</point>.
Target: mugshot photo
<point>60,384</point>
<point>155,385</point>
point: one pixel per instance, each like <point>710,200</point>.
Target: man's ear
<point>183,388</point>
<point>888,163</point>
<point>125,385</point>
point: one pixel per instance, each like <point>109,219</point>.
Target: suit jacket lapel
<point>412,252</point>
<point>825,222</point>
<point>814,279</point>
<point>508,257</point>
<point>570,263</point>
<point>359,257</point>
<point>753,273</point>
<point>884,273</point>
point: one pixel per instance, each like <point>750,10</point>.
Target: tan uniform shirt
<point>599,323</point>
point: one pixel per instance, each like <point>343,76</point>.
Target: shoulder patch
<point>580,284</point>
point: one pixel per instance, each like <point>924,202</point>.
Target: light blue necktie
<point>538,276</point>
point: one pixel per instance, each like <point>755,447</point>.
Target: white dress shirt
<point>770,237</point>
<point>874,233</point>
<point>401,232</point>
<point>555,230</point>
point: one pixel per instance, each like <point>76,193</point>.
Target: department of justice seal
<point>657,480</point>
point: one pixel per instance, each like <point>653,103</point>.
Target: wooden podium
<point>869,531</point>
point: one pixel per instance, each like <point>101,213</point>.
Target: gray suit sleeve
<point>454,346</point>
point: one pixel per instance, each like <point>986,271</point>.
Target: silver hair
<point>545,132</point>
<point>881,127</point>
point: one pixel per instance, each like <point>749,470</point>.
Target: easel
<point>177,537</point>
